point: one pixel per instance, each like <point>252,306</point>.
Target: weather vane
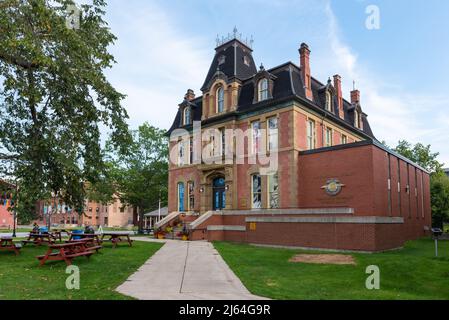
<point>235,35</point>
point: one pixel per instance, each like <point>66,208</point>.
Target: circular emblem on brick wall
<point>333,187</point>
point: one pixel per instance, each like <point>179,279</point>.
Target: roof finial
<point>353,84</point>
<point>261,66</point>
<point>235,32</point>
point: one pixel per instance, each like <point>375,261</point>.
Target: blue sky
<point>402,69</point>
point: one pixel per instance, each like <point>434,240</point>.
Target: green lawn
<point>21,278</point>
<point>410,273</point>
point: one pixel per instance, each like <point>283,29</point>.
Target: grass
<point>21,278</point>
<point>410,273</point>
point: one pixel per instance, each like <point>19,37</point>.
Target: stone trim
<point>321,211</point>
<point>226,228</point>
<point>356,220</point>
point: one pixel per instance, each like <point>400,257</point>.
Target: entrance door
<point>218,194</point>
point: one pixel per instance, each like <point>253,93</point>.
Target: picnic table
<point>117,237</point>
<point>90,243</point>
<point>7,244</point>
<point>40,238</point>
<point>93,236</point>
<point>66,252</point>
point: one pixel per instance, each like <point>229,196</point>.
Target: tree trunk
<point>140,230</point>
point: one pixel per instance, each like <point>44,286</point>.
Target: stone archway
<point>207,188</point>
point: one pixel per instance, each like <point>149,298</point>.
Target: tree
<point>420,154</point>
<point>439,190</point>
<point>53,97</point>
<point>439,182</point>
<point>141,175</point>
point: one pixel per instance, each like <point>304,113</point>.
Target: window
<point>328,137</point>
<point>344,139</point>
<point>223,142</point>
<point>212,146</point>
<point>221,60</point>
<point>273,191</point>
<point>220,100</point>
<point>122,209</point>
<point>190,159</point>
<point>246,60</point>
<point>356,119</point>
<point>263,89</point>
<point>272,134</point>
<point>255,138</point>
<point>187,116</point>
<point>180,197</point>
<point>181,153</point>
<point>328,101</point>
<point>256,186</point>
<point>311,139</point>
<point>191,195</point>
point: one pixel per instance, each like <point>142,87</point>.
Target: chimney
<point>190,95</point>
<point>355,96</point>
<point>304,54</point>
<point>337,86</point>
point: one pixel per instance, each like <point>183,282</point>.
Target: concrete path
<point>183,270</point>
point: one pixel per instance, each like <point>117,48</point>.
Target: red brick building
<point>6,201</point>
<point>276,157</point>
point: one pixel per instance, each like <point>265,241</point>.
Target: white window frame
<point>272,135</point>
<point>253,193</point>
<point>255,136</point>
<point>311,134</point>
<point>220,99</point>
<point>187,110</point>
<point>270,193</point>
<point>328,101</point>
<point>262,88</point>
<point>329,137</point>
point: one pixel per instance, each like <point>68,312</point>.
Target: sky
<point>401,67</point>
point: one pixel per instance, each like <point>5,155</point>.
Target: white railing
<point>201,219</point>
<point>167,219</point>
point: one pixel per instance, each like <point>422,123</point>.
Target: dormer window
<point>328,101</point>
<point>263,89</point>
<point>246,60</point>
<point>187,116</point>
<point>356,119</point>
<point>221,60</point>
<point>220,100</point>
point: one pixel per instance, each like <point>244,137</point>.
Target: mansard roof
<point>229,59</point>
<point>287,85</point>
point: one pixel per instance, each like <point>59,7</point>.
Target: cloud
<point>393,112</point>
<point>157,61</point>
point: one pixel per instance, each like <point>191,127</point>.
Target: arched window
<point>328,101</point>
<point>220,100</point>
<point>181,197</point>
<point>187,116</point>
<point>256,191</point>
<point>263,89</point>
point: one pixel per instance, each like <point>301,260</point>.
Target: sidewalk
<point>183,270</point>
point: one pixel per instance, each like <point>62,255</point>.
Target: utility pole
<point>159,215</point>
